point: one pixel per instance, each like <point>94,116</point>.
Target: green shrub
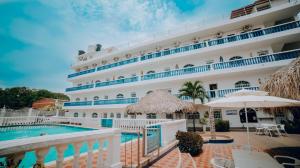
<point>222,125</point>
<point>189,142</point>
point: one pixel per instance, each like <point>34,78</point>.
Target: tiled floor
<point>202,161</point>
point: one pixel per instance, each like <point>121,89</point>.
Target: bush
<point>189,142</point>
<point>222,125</point>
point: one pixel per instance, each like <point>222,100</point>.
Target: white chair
<point>219,162</point>
<point>259,129</point>
<point>281,129</point>
<point>295,162</point>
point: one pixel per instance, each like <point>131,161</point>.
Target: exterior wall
<point>225,79</point>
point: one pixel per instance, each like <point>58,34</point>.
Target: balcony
<point>286,55</point>
<point>221,93</point>
<point>116,101</point>
<point>82,103</point>
<point>228,39</point>
<point>80,87</point>
<point>117,82</point>
<point>108,66</point>
<point>102,102</point>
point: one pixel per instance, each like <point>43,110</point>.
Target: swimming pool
<point>33,131</point>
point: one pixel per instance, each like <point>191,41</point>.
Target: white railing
<point>135,124</point>
<point>40,120</point>
<point>16,121</point>
<point>14,150</point>
<point>169,130</point>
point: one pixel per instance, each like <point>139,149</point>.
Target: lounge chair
<point>295,162</point>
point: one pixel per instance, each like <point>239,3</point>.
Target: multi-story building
<point>240,52</point>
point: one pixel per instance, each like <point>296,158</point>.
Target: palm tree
<point>194,90</point>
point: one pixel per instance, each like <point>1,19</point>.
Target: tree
<point>195,91</point>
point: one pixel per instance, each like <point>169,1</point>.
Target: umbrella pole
<point>248,138</point>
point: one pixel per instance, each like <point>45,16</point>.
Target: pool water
<point>32,131</point>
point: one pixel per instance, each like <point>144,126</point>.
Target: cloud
<point>54,30</point>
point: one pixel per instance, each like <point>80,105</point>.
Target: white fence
<point>135,124</point>
<point>14,150</point>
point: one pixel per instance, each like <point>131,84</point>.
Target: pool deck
<point>176,159</point>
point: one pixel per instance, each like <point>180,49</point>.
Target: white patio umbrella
<point>255,99</point>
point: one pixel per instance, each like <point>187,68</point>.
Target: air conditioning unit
<point>247,28</point>
<point>219,34</point>
<point>116,59</point>
<point>195,40</point>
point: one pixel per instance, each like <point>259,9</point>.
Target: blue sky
<point>39,39</point>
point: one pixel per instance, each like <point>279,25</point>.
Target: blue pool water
<point>32,131</point>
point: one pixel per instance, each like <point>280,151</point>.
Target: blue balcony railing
<point>80,87</point>
<point>223,92</point>
<point>81,73</point>
<point>116,101</point>
<point>108,66</point>
<point>82,103</point>
<point>242,36</point>
<point>116,82</point>
<point>178,72</point>
<point>258,60</point>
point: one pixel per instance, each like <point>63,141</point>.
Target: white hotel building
<point>240,52</point>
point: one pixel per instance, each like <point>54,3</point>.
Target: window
<point>170,90</point>
<point>217,115</point>
<point>96,98</point>
<point>150,91</point>
<point>83,115</point>
<point>125,115</point>
<point>251,115</point>
<point>169,116</point>
<point>118,115</point>
<point>94,115</point>
<point>167,69</point>
<point>133,94</point>
<point>121,77</point>
<point>151,116</point>
<point>120,96</point>
<point>264,52</point>
<point>77,99</point>
<point>85,99</point>
<point>105,115</point>
<point>112,115</point>
<point>75,114</point>
<point>150,72</point>
<point>188,65</point>
<point>105,97</point>
<point>235,58</point>
<point>242,84</point>
<point>193,115</point>
<point>98,81</point>
<point>133,75</point>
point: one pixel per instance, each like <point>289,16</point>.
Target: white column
<point>100,154</point>
<point>76,154</point>
<point>114,150</point>
<point>90,154</point>
<point>40,156</point>
<point>60,155</point>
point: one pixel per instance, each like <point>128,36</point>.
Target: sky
<point>39,39</point>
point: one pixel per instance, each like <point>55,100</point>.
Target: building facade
<point>240,52</point>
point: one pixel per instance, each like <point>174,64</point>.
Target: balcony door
<point>212,90</point>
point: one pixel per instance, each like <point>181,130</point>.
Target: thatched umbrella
<point>285,82</point>
<point>160,102</point>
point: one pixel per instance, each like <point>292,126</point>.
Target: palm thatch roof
<point>285,82</point>
<point>159,102</point>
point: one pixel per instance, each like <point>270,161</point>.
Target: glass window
<point>98,81</point>
<point>251,115</point>
<point>112,115</point>
<point>150,91</point>
<point>120,96</point>
<point>169,116</point>
<point>125,115</point>
<point>151,116</point>
<point>96,98</point>
<point>217,115</point>
<point>77,99</point>
<point>105,115</point>
<point>75,114</point>
<point>121,77</point>
<point>188,65</point>
<point>235,58</point>
<point>242,84</point>
<point>118,115</point>
<point>94,115</point>
<point>150,72</point>
<point>133,94</point>
<point>85,99</point>
<point>83,115</point>
<point>105,97</point>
